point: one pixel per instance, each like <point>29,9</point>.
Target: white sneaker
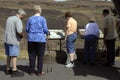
<point>69,65</point>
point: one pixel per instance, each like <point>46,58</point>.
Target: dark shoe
<point>17,74</point>
<point>9,72</point>
<point>40,74</point>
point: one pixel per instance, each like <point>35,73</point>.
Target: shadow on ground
<point>23,68</point>
<point>56,56</point>
<point>99,71</point>
<point>61,57</point>
<point>3,68</point>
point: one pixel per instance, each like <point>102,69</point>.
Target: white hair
<point>21,11</point>
<point>37,8</point>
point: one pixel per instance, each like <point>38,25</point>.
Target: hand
<point>48,34</point>
<point>21,36</point>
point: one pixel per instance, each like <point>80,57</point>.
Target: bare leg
<point>14,59</point>
<point>8,62</point>
<point>71,64</point>
<point>72,56</point>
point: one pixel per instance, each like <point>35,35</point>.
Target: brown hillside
<point>53,11</point>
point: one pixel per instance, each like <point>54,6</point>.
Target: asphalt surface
<point>59,72</point>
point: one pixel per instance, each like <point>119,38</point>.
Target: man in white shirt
<point>13,35</point>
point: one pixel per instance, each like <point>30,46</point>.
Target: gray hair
<point>37,8</point>
<point>21,11</point>
<point>92,18</point>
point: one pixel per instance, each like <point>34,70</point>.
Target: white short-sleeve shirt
<point>13,26</point>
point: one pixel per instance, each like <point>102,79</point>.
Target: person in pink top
<point>70,37</point>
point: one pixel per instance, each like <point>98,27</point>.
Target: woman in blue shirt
<point>36,28</point>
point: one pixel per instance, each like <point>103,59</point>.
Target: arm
<point>27,26</point>
<point>45,28</point>
<point>19,29</point>
<point>66,33</point>
<point>118,24</point>
<point>20,35</point>
<point>66,29</point>
<point>105,27</point>
<point>105,32</point>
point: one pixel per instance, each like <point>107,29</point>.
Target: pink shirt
<point>71,26</point>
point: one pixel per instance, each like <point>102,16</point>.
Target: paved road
<point>59,72</point>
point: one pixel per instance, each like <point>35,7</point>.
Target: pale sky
<point>66,0</point>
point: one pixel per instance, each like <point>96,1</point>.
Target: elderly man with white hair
<point>13,35</point>
<point>36,28</point>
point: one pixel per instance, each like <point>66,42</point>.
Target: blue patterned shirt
<point>36,28</point>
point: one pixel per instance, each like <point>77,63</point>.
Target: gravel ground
<point>59,72</point>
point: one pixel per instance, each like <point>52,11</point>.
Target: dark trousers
<point>110,45</point>
<point>90,48</point>
<point>36,49</point>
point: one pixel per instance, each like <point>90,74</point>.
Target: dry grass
<point>23,54</point>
